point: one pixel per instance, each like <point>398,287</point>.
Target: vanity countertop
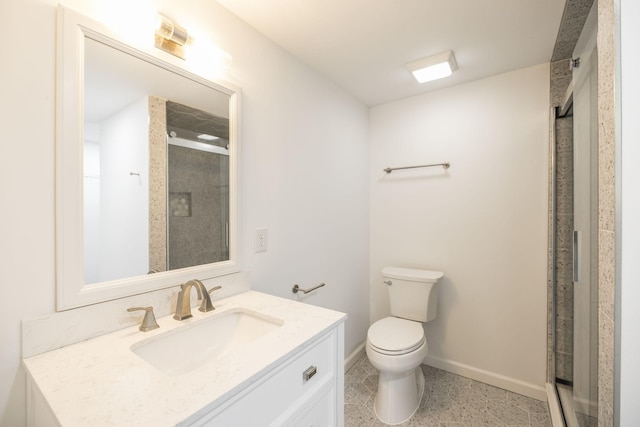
<point>101,382</point>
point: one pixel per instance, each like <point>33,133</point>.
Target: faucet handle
<point>149,321</point>
<point>206,300</point>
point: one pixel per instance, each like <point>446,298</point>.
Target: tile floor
<point>449,401</point>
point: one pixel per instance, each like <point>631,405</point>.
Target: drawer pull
<point>310,372</point>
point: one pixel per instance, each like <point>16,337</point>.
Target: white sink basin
<point>187,348</point>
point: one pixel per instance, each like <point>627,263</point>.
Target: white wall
<point>483,222</point>
<point>91,208</point>
<point>124,198</point>
<point>628,222</point>
<point>305,161</point>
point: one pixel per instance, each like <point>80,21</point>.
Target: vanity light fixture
<point>170,37</point>
<point>434,67</point>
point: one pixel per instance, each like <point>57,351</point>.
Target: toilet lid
<point>395,334</point>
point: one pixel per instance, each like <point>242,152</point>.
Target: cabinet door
<point>282,394</point>
<point>321,413</point>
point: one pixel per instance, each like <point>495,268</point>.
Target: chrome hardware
<point>577,252</point>
<point>149,321</point>
<point>445,165</point>
<point>206,301</point>
<point>388,282</point>
<point>308,373</point>
<point>297,289</point>
<point>183,306</point>
<point>574,63</point>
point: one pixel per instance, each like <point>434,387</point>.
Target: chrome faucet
<point>183,306</point>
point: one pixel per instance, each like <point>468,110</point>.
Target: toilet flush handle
<point>388,282</point>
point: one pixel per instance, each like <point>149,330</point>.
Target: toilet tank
<point>413,293</point>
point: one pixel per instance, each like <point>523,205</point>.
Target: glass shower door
<point>585,235</point>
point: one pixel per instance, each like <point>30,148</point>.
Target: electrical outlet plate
<point>260,240</point>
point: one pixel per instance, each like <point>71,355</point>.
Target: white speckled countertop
<point>101,382</point>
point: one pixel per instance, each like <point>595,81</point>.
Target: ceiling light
<point>434,67</point>
<point>207,137</point>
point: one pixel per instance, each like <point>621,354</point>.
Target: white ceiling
<point>363,45</point>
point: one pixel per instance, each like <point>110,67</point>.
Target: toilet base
<point>398,396</point>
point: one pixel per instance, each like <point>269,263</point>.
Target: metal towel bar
<point>445,165</point>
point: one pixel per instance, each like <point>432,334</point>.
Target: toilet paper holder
<point>297,289</point>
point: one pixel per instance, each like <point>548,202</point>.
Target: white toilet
<point>396,345</point>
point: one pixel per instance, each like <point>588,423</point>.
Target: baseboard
<point>512,384</point>
<point>353,357</point>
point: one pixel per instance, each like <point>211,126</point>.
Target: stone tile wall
<point>560,339</point>
<point>606,211</point>
<point>157,184</point>
<point>564,249</point>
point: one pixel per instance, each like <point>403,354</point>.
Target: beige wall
<point>483,222</point>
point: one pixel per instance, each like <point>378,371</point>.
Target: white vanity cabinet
<point>304,390</point>
<point>291,376</point>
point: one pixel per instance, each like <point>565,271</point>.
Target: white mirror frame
<point>71,291</point>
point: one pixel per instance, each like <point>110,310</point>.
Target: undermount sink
<point>188,347</point>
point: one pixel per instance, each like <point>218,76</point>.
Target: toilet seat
<point>394,336</point>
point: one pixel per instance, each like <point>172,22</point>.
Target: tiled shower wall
<point>560,340</point>
<point>157,184</point>
<point>198,235</point>
<point>606,211</point>
<point>563,243</point>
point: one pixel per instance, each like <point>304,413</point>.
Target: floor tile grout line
<point>517,405</point>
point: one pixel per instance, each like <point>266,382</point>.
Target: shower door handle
<point>577,236</point>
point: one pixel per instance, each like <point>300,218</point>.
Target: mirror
<point>147,169</point>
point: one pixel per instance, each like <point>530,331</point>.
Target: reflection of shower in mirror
<point>127,96</point>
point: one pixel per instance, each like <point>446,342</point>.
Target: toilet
<point>396,345</point>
